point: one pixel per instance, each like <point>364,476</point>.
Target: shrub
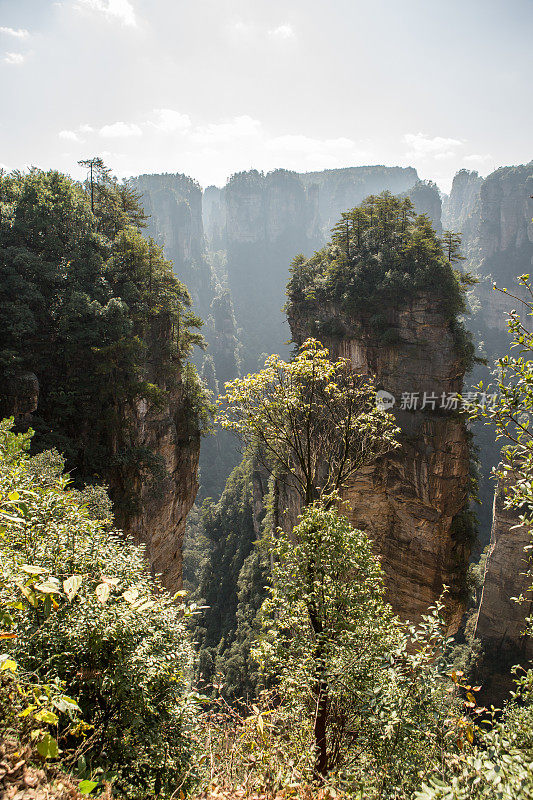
<point>86,612</point>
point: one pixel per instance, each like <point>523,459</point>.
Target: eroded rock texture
<point>501,621</point>
<point>165,494</point>
<point>412,501</point>
<point>341,189</point>
<point>494,215</point>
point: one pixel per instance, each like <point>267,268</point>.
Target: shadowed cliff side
<point>494,215</point>
<point>501,620</point>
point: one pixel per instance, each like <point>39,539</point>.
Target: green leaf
<point>27,711</point>
<point>131,595</point>
<point>102,593</point>
<point>86,787</point>
<point>47,747</point>
<point>31,570</point>
<point>66,704</point>
<point>47,588</point>
<point>47,716</point>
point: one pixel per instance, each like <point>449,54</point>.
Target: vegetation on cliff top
<point>381,255</point>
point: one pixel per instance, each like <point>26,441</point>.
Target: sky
<point>213,87</point>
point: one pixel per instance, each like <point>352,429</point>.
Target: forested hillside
<point>96,332</point>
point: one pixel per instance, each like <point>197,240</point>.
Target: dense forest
<point>327,624</point>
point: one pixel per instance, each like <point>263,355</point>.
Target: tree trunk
<point>320,729</point>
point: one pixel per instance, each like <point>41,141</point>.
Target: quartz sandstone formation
<point>163,500</point>
<point>150,504</point>
<point>501,621</point>
<point>494,214</point>
<point>160,491</point>
<point>411,501</point>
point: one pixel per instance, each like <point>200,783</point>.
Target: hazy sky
<point>211,87</point>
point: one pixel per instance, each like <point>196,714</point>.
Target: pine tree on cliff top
<point>380,254</point>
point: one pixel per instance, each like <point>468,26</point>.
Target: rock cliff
<point>426,199</point>
<point>165,495</point>
<point>460,209</point>
<point>173,204</point>
<point>494,215</point>
<point>269,218</point>
<point>341,189</point>
<point>501,621</point>
<point>412,502</point>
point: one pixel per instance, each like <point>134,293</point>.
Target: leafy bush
<point>85,611</point>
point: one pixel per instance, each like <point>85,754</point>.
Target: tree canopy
<point>381,254</point>
<point>88,305</point>
<point>313,421</point>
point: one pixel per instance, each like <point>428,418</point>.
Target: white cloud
<point>477,158</point>
<point>14,58</point>
<point>71,136</point>
<point>439,147</point>
<point>297,143</point>
<point>18,33</point>
<point>114,10</point>
<point>282,32</point>
<point>237,128</point>
<point>241,29</point>
<point>120,130</point>
<point>169,121</point>
<point>86,129</point>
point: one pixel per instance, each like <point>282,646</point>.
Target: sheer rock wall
<point>410,501</point>
<point>501,621</point>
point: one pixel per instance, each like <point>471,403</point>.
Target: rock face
<point>494,215</point>
<point>164,488</point>
<point>460,209</point>
<point>173,204</point>
<point>163,500</point>
<point>214,216</point>
<point>269,218</point>
<point>341,189</point>
<point>412,502</point>
<point>501,621</point>
<point>426,199</point>
<point>151,502</point>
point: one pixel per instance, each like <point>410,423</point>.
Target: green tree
<point>381,255</point>
<point>370,692</point>
<point>313,421</point>
<point>451,243</point>
<point>95,312</point>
